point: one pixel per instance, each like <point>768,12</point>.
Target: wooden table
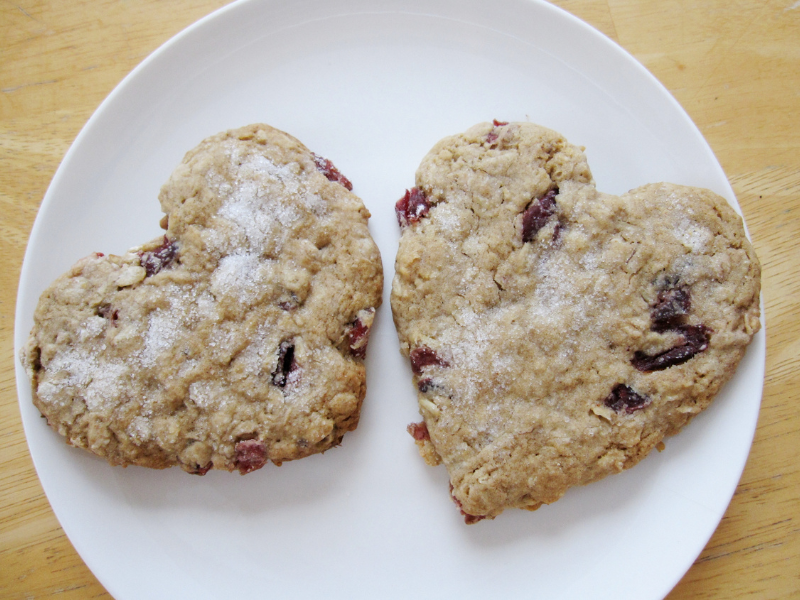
<point>733,65</point>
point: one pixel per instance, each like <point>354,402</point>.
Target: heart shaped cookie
<point>236,338</point>
<point>557,334</point>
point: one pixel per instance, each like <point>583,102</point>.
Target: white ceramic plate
<point>372,85</point>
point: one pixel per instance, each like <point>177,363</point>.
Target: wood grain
<point>733,65</point>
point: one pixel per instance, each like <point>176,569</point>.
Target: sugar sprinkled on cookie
<point>227,342</point>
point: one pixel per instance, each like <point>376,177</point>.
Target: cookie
<point>236,338</point>
<point>557,334</point>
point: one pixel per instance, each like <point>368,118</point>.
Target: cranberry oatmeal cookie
<point>237,337</point>
<point>557,334</point>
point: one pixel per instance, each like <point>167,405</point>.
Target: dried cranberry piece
<point>492,136</point>
<point>695,335</point>
<point>286,364</point>
<point>198,470</point>
<point>623,398</point>
<point>155,260</point>
<point>537,214</point>
<point>468,518</point>
<point>423,356</point>
<point>250,456</point>
<point>471,519</point>
<point>358,337</point>
<point>331,172</point>
<point>671,305</point>
<point>694,339</point>
<point>412,207</point>
<point>419,431</point>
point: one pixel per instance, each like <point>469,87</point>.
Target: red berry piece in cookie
<point>422,357</point>
<point>358,333</point>
<point>671,306</point>
<point>251,455</point>
<point>694,339</point>
<point>160,258</point>
<point>537,215</point>
<point>413,206</point>
<point>624,399</point>
<point>419,431</point>
<point>492,136</point>
<point>327,168</point>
